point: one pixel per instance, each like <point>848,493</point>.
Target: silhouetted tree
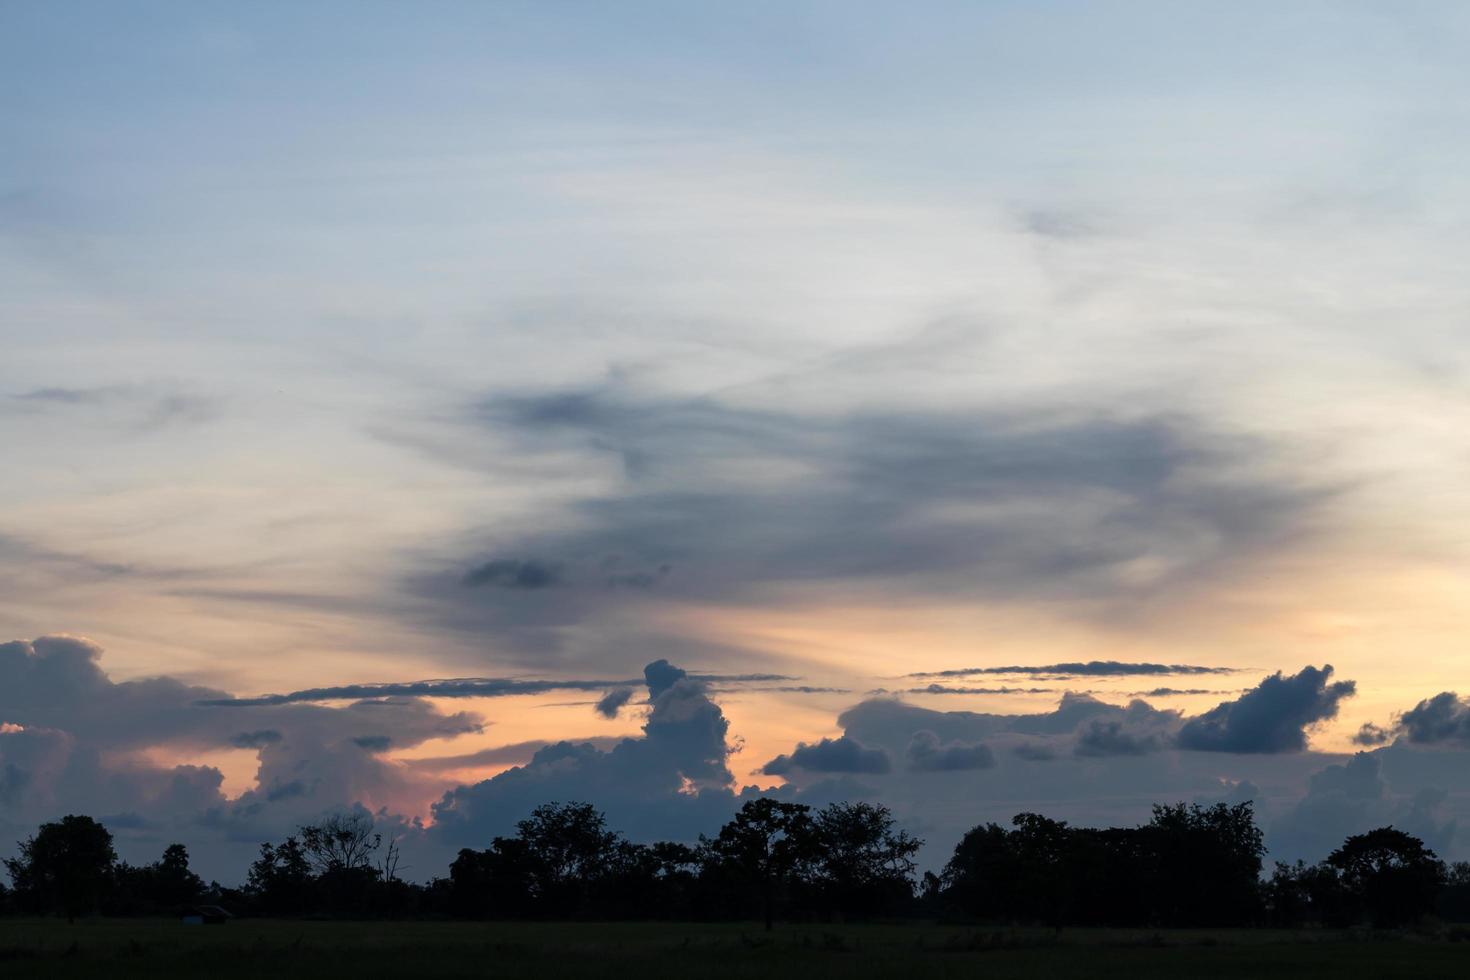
<point>66,867</point>
<point>861,865</point>
<point>569,847</point>
<point>1190,865</point>
<point>342,841</point>
<point>1206,864</point>
<point>493,883</point>
<point>563,862</point>
<point>762,849</point>
<point>979,879</point>
<point>174,883</point>
<point>341,848</point>
<point>280,880</point>
<point>163,886</point>
<point>1388,876</point>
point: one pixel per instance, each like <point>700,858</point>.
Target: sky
<point>970,407</point>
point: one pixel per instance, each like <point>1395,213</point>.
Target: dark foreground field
<point>117,948</point>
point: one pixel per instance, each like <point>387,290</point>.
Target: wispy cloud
<point>1091,668</point>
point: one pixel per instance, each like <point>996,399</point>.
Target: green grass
<point>120,948</point>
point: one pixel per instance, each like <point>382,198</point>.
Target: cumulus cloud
<point>1101,738</point>
<point>672,781</point>
<point>76,740</point>
<point>830,755</point>
<point>1274,716</point>
<point>1371,734</point>
<point>1442,718</point>
<point>926,753</point>
<point>1356,795</point>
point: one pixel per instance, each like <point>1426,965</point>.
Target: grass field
<point>276,950</point>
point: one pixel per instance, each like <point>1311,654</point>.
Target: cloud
<point>926,753</point>
<point>257,739</point>
<point>373,743</point>
<point>944,689</point>
<point>140,406</point>
<point>660,676</point>
<point>76,739</point>
<point>1103,738</point>
<point>67,396</point>
<point>1359,794</point>
<point>719,500</point>
<point>1371,734</point>
<point>1442,718</point>
<point>469,687</point>
<point>1090,668</point>
<point>830,755</point>
<point>612,702</point>
<point>515,753</point>
<point>510,574</point>
<point>672,781</point>
<point>1274,716</point>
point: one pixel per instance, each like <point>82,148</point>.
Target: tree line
<point>1188,866</point>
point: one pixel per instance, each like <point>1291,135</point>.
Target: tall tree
<point>66,867</point>
<point>280,880</point>
<point>766,844</point>
<point>862,864</point>
<point>569,847</point>
<point>1389,876</point>
<point>174,882</point>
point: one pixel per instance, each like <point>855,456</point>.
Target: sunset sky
<point>893,370</point>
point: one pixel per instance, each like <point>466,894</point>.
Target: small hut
<point>205,915</point>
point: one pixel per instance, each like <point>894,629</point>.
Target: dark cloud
<point>613,701</point>
<point>926,753</point>
<point>464,687</point>
<point>1274,716</point>
<point>1090,668</point>
<point>1371,735</point>
<point>1442,718</point>
<point>1103,738</point>
<point>660,676</point>
<point>373,743</point>
<point>892,723</point>
<point>255,740</point>
<point>511,574</point>
<point>513,754</point>
<point>470,687</point>
<point>1166,692</point>
<point>830,755</point>
<point>963,503</point>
